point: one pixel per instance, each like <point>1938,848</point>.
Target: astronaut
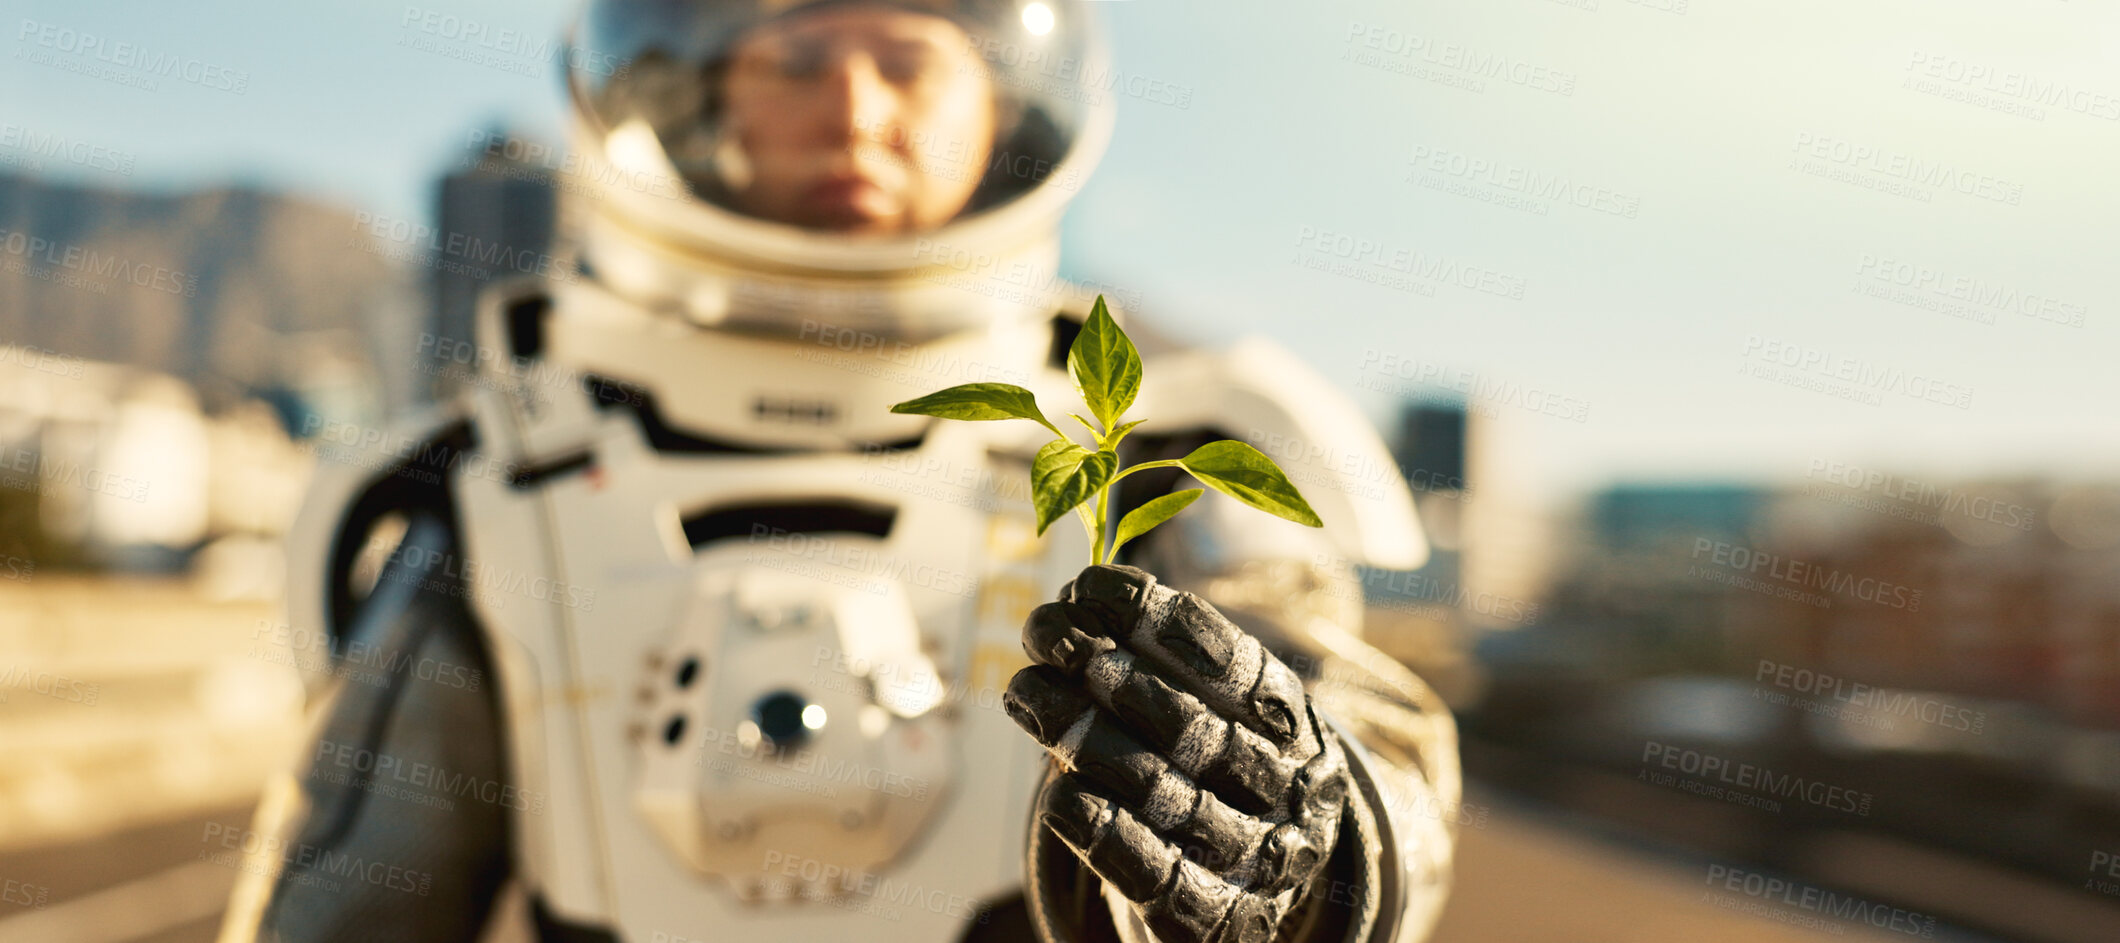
<point>668,629</point>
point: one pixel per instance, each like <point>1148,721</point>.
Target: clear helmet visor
<point>883,117</point>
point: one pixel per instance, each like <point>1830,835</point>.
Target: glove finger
<point>1042,702</point>
<point>1252,919</point>
<point>1090,742</point>
<point>1180,901</point>
<point>1320,787</point>
<point>1245,769</point>
<point>1115,594</point>
<point>1286,859</point>
<point>1109,755</point>
<point>1297,849</point>
<point>1065,636</point>
<point>1201,652</point>
<point>1212,832</point>
<point>1101,750</point>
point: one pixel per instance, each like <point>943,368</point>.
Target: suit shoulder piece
<point>1258,392</point>
<point>398,468</point>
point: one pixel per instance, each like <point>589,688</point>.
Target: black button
<point>779,719</point>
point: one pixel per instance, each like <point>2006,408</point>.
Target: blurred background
<point>1751,364</point>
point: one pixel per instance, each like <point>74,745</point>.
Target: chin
<point>858,224</point>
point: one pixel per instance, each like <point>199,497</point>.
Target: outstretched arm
<point>385,841</point>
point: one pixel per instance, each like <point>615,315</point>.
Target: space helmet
<point>894,167</point>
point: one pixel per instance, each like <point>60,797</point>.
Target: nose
<point>860,102</point>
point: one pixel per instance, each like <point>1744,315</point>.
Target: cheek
<point>768,120</point>
<point>766,129</point>
<point>963,129</point>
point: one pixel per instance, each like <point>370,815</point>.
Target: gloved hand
<point>1197,780</point>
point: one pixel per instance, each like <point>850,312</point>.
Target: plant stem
<point>1096,554</point>
<point>1166,463</point>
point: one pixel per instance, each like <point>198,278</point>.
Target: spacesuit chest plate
<point>763,690</point>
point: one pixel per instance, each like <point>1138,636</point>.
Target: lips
<point>851,199</point>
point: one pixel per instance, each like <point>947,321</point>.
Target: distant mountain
<point>236,290</point>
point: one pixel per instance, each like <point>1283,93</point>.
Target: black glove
<point>1197,780</point>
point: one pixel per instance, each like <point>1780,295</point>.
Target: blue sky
<point>1748,172</point>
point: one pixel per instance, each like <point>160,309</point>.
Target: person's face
<point>859,119</point>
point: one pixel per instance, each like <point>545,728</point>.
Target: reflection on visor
<point>855,117</point>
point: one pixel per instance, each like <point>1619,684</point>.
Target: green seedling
<point>1068,476</point>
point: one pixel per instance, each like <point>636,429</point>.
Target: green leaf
<point>1246,474</point>
<point>1144,518</point>
<point>1065,475</point>
<point>1105,366</point>
<point>978,402</point>
<point>1119,435</point>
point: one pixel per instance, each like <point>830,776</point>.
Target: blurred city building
<point>496,212</point>
<point>111,466</point>
<point>1952,645</point>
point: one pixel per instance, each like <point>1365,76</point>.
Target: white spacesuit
<point>677,630</point>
